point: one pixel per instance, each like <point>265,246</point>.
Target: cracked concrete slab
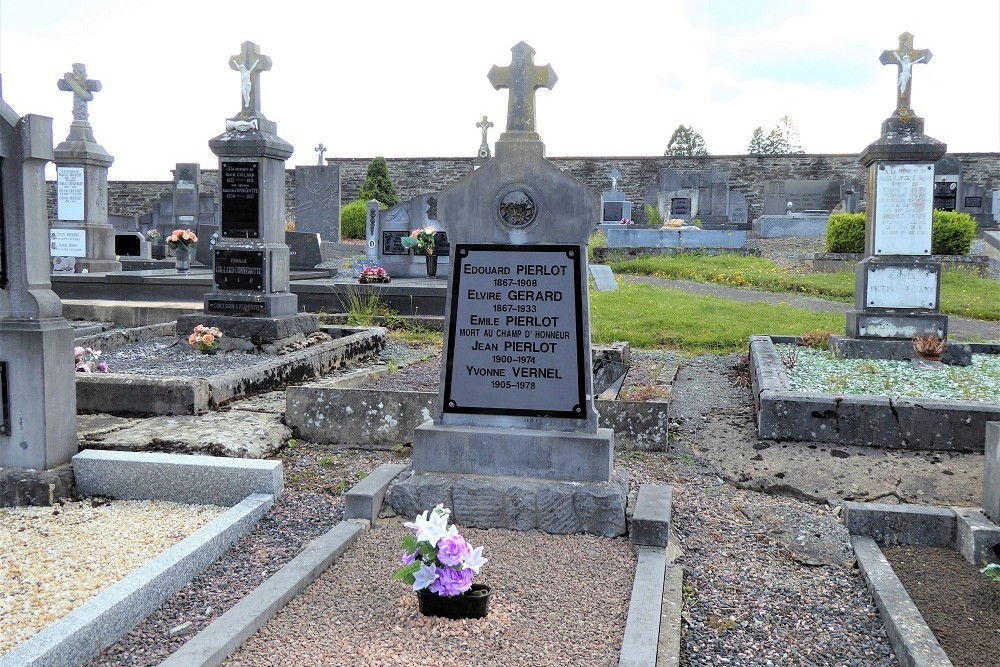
<point>234,433</point>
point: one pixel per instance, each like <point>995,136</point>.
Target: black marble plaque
<point>442,246</point>
<point>240,200</point>
<point>973,202</point>
<point>236,308</point>
<point>680,206</point>
<point>4,402</point>
<point>239,269</point>
<point>613,211</point>
<point>392,243</point>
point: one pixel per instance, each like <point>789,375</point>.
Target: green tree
<point>758,144</point>
<point>378,185</point>
<point>783,139</point>
<point>686,141</point>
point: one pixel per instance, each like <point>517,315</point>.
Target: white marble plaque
<point>67,243</point>
<point>69,193</point>
<point>902,287</point>
<point>904,196</point>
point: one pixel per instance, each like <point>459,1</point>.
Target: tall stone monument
<point>82,181</point>
<point>515,441</point>
<point>897,285</point>
<point>251,297</point>
<point>615,209</point>
<point>37,381</point>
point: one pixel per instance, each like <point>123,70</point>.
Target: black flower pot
<point>432,266</point>
<point>473,603</point>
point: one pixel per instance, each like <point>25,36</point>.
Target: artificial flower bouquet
<point>205,338</point>
<point>181,237</point>
<point>436,557</point>
<point>374,274</point>
<point>87,360</point>
<point>422,239</point>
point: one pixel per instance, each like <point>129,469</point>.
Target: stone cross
<point>485,124</point>
<point>522,77</point>
<point>83,89</point>
<point>614,175</point>
<point>320,149</point>
<point>250,62</point>
<point>904,57</point>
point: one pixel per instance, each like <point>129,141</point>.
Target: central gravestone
<point>252,300</point>
<point>515,441</point>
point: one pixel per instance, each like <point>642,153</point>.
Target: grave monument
<point>514,441</point>
<point>615,209</point>
<point>82,184</point>
<point>251,299</point>
<point>37,374</point>
<point>703,194</point>
<point>897,285</point>
<point>317,199</point>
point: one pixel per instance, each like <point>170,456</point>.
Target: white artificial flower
<point>475,560</point>
<point>424,577</point>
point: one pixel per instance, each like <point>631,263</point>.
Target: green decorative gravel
<point>816,370</point>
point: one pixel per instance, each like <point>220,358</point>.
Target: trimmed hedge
<point>352,220</point>
<point>952,233</point>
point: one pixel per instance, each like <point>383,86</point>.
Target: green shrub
<point>352,220</point>
<point>653,215</point>
<point>952,233</point>
<point>845,232</point>
<point>378,184</point>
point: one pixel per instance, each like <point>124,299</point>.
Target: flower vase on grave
<point>432,264</point>
<point>473,603</point>
<point>183,258</point>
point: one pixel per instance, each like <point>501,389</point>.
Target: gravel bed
<point>75,551</point>
<point>558,600</point>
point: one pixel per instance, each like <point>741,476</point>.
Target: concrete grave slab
<point>901,524</point>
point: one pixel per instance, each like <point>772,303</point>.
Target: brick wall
<point>415,176</point>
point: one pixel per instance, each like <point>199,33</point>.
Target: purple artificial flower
<point>426,576</point>
<point>451,582</point>
<point>102,367</point>
<point>408,558</point>
<point>452,548</point>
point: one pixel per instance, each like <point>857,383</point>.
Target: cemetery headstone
<point>251,263</point>
<point>303,249</point>
<point>897,285</point>
<point>947,183</point>
<point>317,201</point>
<point>805,196</point>
<point>614,207</point>
<point>37,375</point>
<point>702,194</point>
<point>82,179</point>
<point>386,229</point>
<point>514,441</point>
<point>604,278</point>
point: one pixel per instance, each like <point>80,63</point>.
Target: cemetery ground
<point>769,573</point>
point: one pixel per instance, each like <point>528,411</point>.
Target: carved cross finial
<point>904,57</point>
<point>484,148</point>
<point>250,62</point>
<point>522,77</point>
<point>614,175</point>
<point>320,149</point>
<point>83,89</point>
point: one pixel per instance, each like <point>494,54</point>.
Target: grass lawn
<point>962,293</point>
<point>652,317</point>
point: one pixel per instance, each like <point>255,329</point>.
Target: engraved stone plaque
<point>69,193</point>
<point>240,200</point>
<point>516,332</point>
<point>392,243</point>
<point>904,195</point>
<point>239,269</point>
<point>901,287</point>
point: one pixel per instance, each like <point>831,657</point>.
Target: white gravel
<point>558,600</point>
<point>57,558</point>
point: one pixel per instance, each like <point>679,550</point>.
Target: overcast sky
<point>408,79</point>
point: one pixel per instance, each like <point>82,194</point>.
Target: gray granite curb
<point>668,652</point>
<point>364,499</point>
<point>894,423</point>
<point>912,641</point>
<point>642,628</point>
<point>142,394</point>
<point>108,616</point>
<point>227,633</point>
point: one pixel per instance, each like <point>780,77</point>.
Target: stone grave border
<point>155,395</point>
<point>835,262</point>
<point>889,422</point>
<point>248,486</point>
<point>631,236</point>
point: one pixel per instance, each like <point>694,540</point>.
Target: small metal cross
<point>522,77</point>
<point>320,149</point>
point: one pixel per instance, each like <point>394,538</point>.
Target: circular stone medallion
<point>517,209</point>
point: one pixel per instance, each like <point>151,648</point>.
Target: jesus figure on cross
<point>245,76</point>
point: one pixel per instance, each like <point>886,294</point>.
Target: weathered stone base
<point>956,354</point>
<point>518,503</point>
<point>39,488</point>
<point>257,330</point>
<point>879,325</point>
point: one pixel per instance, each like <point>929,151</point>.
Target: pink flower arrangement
<point>205,338</point>
<point>374,274</point>
<point>87,360</point>
<point>182,237</point>
<point>422,239</point>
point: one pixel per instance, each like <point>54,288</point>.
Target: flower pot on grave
<point>182,256</point>
<point>208,350</point>
<point>432,265</point>
<point>473,603</point>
